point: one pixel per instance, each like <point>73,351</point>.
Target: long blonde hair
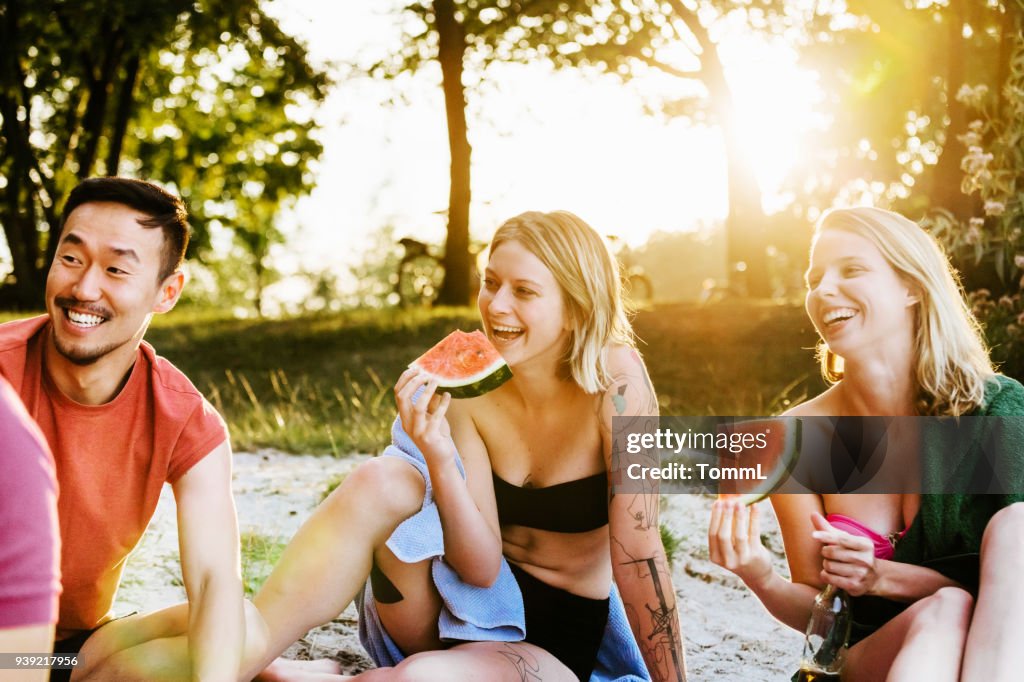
<point>588,275</point>
<point>952,363</point>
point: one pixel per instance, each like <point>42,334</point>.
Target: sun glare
<point>775,108</point>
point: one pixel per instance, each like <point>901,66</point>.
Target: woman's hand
<point>848,561</point>
<point>734,541</point>
<point>425,421</point>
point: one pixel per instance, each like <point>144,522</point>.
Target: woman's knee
<point>1003,534</point>
<point>946,607</point>
<point>383,487</point>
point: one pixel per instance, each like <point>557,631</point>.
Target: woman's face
<point>855,299</point>
<point>522,307</point>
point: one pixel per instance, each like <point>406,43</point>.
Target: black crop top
<point>570,507</point>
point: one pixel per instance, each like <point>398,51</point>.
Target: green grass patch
<point>259,555</point>
<point>671,542</point>
<point>322,384</point>
<point>332,484</point>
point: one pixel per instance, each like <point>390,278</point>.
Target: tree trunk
<point>451,49</point>
<point>17,211</point>
<point>745,235</point>
<point>100,85</point>
<point>123,115</point>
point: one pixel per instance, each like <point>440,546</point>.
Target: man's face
<point>102,287</point>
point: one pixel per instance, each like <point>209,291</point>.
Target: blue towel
<point>477,614</point>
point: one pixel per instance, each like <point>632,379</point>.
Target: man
<point>121,421</point>
<point>29,540</point>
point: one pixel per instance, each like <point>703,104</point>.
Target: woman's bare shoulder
<point>823,405</point>
<point>622,359</point>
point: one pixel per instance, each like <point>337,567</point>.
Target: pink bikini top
<point>885,545</point>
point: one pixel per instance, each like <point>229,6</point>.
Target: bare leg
<point>320,572</point>
<point>285,670</point>
<point>329,559</point>
<point>151,647</point>
<point>924,642</point>
<point>994,652</point>
<point>491,661</point>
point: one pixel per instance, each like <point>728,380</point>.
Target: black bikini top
<point>570,507</point>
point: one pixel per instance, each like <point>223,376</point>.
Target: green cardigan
<point>946,533</point>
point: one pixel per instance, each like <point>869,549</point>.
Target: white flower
<point>994,208</point>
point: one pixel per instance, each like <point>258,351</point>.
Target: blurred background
<point>346,162</point>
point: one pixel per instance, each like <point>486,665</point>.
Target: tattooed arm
<point>638,557</point>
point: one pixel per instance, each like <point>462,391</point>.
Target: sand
<point>729,635</point>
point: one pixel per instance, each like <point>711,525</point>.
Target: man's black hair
<point>165,210</point>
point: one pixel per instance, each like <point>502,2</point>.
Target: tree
<point>439,31</point>
<point>893,71</point>
<point>451,50</point>
<point>675,37</point>
<point>208,97</point>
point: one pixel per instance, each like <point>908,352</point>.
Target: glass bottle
<point>828,633</point>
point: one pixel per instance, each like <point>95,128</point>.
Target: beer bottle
<point>828,633</point>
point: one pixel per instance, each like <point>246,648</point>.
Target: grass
<point>259,555</point>
<point>322,384</point>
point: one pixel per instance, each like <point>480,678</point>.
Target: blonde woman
<point>896,339</point>
<point>537,452</point>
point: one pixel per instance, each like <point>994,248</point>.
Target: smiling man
<point>121,421</point>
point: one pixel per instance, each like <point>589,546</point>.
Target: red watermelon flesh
<point>464,364</point>
<point>767,452</point>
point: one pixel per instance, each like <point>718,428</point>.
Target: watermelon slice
<point>465,365</point>
<point>762,456</point>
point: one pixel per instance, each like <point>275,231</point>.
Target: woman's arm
<point>638,557</point>
<point>734,542</point>
<point>849,562</point>
<point>469,519</point>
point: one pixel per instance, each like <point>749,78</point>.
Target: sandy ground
<point>729,636</point>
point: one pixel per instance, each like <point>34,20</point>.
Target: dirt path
<point>728,634</point>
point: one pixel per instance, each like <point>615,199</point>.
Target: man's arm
<point>638,557</point>
<point>210,565</point>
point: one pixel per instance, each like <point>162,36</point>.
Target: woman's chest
<point>543,449</point>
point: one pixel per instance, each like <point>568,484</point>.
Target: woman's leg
<point>925,642</point>
<point>492,661</point>
<point>994,652</point>
<point>328,561</point>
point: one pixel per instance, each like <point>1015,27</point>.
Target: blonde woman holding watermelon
<point>897,338</point>
<point>537,453</point>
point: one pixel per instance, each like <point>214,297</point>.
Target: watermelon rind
<point>787,461</point>
<point>477,388</point>
<point>488,378</point>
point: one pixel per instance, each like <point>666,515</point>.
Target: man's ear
<point>170,291</point>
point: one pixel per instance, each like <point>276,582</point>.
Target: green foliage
<point>989,246</point>
<point>259,556</point>
<point>892,71</point>
<point>671,542</point>
<point>332,484</point>
<point>210,98</point>
<point>317,384</point>
<point>322,383</point>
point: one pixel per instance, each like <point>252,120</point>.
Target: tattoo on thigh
<point>525,663</point>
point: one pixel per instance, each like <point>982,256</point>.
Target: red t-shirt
<point>29,539</point>
<point>111,461</point>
